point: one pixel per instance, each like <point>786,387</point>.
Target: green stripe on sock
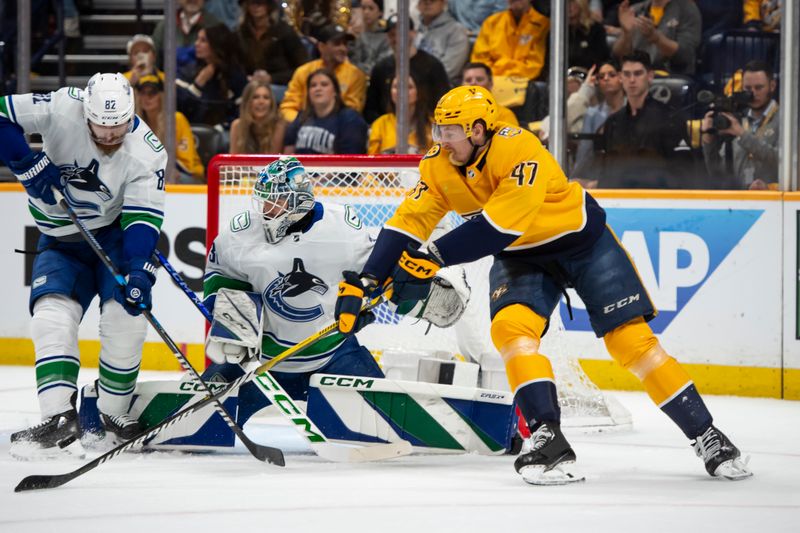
<point>119,381</point>
<point>56,371</point>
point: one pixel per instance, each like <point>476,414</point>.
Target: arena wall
<point>721,267</point>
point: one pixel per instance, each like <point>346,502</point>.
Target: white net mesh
<point>375,186</point>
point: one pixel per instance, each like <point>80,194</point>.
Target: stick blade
<point>271,455</point>
<point>340,453</point>
<point>42,482</point>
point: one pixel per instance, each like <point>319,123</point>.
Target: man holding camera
<point>750,159</point>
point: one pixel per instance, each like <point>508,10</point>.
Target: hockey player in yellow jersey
<point>545,234</point>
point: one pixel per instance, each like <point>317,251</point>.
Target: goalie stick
<point>275,393</point>
<point>353,454</point>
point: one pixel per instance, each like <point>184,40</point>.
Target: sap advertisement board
<point>720,267</point>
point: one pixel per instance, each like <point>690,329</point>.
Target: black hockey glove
<point>412,276</point>
<point>352,290</point>
<point>38,174</point>
<point>136,294</point>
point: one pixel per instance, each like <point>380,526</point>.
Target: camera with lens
<point>735,104</point>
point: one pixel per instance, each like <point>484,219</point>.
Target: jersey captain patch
<point>291,285</point>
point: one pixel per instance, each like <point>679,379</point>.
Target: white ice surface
<point>646,480</point>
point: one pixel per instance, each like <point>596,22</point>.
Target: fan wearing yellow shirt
<point>545,234</point>
<point>383,132</point>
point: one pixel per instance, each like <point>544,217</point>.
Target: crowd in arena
<point>271,81</point>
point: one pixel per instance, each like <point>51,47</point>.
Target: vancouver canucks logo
<point>295,283</point>
<point>84,179</point>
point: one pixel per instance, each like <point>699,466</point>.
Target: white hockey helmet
<point>283,194</point>
<point>108,107</point>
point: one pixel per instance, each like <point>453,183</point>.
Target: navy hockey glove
<point>412,276</point>
<point>348,304</point>
<point>136,294</point>
<point>38,174</point>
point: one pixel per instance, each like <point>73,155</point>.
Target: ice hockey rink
<point>645,479</point>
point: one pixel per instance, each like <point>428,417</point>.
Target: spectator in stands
<point>763,15</point>
<point>190,19</point>
<point>443,37</point>
<point>580,95</point>
<point>149,92</point>
<point>754,138</point>
<point>472,13</point>
<point>371,44</point>
<point>332,43</point>
<point>269,45</point>
<point>428,71</point>
<point>719,16</point>
<point>481,74</point>
<point>383,133</point>
<point>640,139</point>
<point>141,59</point>
<point>225,11</point>
<point>669,30</point>
<point>326,125</point>
<point>587,38</point>
<point>259,128</point>
<point>209,88</point>
<point>612,99</point>
<point>513,42</point>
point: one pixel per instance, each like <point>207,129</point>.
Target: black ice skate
<point>56,436</point>
<point>120,427</point>
<point>721,457</point>
<point>550,459</point>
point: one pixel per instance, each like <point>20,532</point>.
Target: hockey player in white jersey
<point>289,253</point>
<point>110,167</point>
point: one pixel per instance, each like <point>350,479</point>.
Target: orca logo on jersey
<point>295,283</point>
<point>84,179</point>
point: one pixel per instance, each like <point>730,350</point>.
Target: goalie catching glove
<point>352,290</point>
<point>235,334</point>
<point>448,298</point>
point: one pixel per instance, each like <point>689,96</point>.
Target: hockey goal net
<point>375,186</point>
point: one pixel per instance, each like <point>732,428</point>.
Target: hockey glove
<point>38,175</point>
<point>136,294</point>
<point>411,278</point>
<point>348,304</point>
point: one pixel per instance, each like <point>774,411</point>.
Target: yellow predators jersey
<point>516,185</point>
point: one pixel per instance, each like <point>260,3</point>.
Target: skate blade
<point>558,475</point>
<point>30,451</point>
<point>734,470</point>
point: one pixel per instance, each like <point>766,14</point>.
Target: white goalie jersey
<point>101,188</point>
<point>297,277</point>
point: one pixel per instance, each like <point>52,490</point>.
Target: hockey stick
<point>262,453</point>
<point>275,393</point>
<point>51,481</point>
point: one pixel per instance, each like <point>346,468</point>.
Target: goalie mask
<point>283,194</point>
<point>108,108</point>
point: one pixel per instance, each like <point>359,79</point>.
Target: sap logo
<point>620,304</point>
<point>343,381</point>
<point>676,251</point>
